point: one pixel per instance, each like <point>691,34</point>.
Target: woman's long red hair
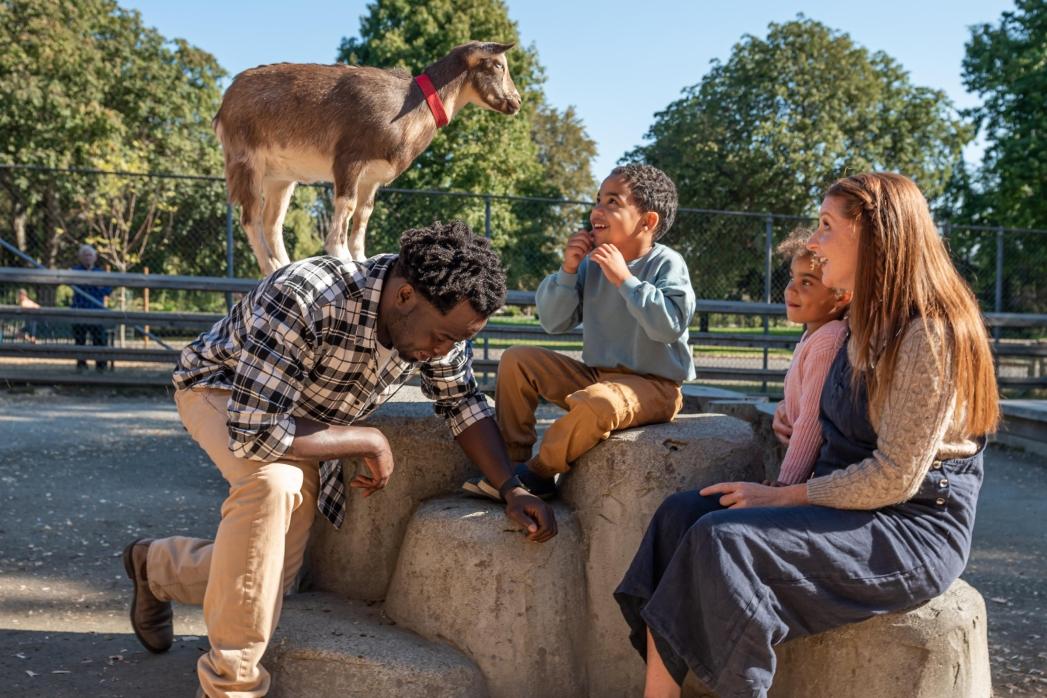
<point>904,273</point>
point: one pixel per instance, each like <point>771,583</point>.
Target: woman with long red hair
<point>885,521</point>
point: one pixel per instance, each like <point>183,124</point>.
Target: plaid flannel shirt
<point>303,344</point>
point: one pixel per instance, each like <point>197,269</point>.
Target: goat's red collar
<point>433,100</point>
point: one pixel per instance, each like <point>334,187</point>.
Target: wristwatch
<point>509,484</point>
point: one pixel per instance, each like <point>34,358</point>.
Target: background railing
<point>752,359</point>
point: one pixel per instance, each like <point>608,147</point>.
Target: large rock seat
<point>357,561</point>
<point>466,573</point>
<point>327,646</point>
<point>615,489</point>
<point>515,618</point>
<point>937,649</point>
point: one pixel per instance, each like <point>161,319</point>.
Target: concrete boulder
<point>467,574</point>
<point>357,561</point>
<point>539,620</point>
<point>937,649</point>
<point>696,398</point>
<point>327,646</point>
<point>614,490</point>
<point>759,413</point>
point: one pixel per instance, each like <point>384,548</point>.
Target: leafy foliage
<point>86,84</point>
<point>782,118</point>
<point>539,152</point>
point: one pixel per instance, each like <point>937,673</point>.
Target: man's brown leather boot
<point>151,618</point>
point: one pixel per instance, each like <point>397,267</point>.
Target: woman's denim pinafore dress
<point>720,587</point>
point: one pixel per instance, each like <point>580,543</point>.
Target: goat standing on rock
<point>356,126</point>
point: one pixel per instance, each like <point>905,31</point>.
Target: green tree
<point>784,116</point>
<point>539,152</point>
<point>1006,65</point>
<point>85,84</point>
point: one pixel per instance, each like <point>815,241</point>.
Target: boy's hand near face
<point>612,262</point>
<point>578,245</point>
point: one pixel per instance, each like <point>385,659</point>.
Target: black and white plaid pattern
<point>303,344</point>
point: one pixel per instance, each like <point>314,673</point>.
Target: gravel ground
<point>84,471</point>
<point>82,474</point>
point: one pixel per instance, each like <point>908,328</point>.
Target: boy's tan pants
<point>598,401</point>
<point>254,559</point>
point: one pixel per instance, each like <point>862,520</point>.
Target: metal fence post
<point>999,282</point>
<point>768,251</point>
<point>230,270</point>
<point>487,234</point>
<point>487,217</point>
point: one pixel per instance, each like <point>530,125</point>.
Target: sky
<point>616,62</point>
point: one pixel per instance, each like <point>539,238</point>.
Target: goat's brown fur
<point>356,126</point>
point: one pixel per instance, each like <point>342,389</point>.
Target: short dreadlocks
<point>653,191</point>
<point>447,264</point>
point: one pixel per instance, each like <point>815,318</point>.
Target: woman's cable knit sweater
<point>919,423</point>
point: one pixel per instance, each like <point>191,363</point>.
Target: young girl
<point>818,307</point>
<point>885,523</point>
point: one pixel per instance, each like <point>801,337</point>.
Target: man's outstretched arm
<point>483,444</point>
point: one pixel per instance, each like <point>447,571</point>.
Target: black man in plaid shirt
<point>273,392</point>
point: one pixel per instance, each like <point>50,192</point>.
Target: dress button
<point>936,465</point>
<point>943,483</point>
<point>939,501</point>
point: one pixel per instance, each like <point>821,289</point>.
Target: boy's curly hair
<point>447,264</point>
<point>653,191</point>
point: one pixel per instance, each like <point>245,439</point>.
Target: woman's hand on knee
<point>744,495</point>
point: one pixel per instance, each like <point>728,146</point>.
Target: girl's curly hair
<point>795,245</point>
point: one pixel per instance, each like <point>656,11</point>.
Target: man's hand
<point>782,430</point>
<point>612,262</point>
<point>744,495</point>
<point>578,245</point>
<point>378,460</point>
<point>531,513</point>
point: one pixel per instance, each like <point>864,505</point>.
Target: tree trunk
<point>18,220</point>
<point>52,217</point>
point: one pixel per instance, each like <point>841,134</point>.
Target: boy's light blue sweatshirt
<point>641,325</point>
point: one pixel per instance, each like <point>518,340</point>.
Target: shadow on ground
<point>102,665</point>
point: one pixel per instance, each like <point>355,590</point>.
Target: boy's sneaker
<point>541,487</point>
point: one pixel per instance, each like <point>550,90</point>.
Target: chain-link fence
<point>179,224</point>
<point>182,225</point>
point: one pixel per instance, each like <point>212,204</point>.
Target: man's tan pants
<point>599,401</point>
<point>254,559</point>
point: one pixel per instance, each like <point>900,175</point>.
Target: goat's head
<point>488,76</point>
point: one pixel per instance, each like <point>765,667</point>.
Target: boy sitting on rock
<point>634,299</point>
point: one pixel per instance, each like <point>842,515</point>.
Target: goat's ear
<point>495,49</point>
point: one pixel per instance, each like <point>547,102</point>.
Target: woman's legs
<point>668,527</point>
<point>659,683</point>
